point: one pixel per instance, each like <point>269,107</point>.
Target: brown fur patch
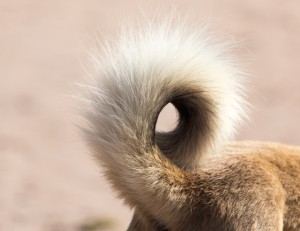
<point>256,186</point>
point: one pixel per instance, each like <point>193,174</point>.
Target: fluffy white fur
<point>156,54</point>
<point>137,76</point>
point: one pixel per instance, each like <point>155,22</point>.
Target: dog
<point>194,177</point>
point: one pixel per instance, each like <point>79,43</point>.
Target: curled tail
<point>141,73</point>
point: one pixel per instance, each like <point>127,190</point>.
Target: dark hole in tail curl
<point>181,145</point>
<point>167,120</point>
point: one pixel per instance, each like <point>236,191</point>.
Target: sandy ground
<point>47,179</point>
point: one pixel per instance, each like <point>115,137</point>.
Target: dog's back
<point>255,187</point>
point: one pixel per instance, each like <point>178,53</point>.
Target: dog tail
<point>138,76</point>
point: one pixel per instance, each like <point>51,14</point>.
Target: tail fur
<point>141,73</point>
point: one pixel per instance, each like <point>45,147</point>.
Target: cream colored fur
<point>190,178</point>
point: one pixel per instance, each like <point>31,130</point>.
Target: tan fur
<point>255,187</point>
<point>190,178</point>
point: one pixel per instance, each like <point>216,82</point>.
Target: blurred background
<point>48,181</point>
